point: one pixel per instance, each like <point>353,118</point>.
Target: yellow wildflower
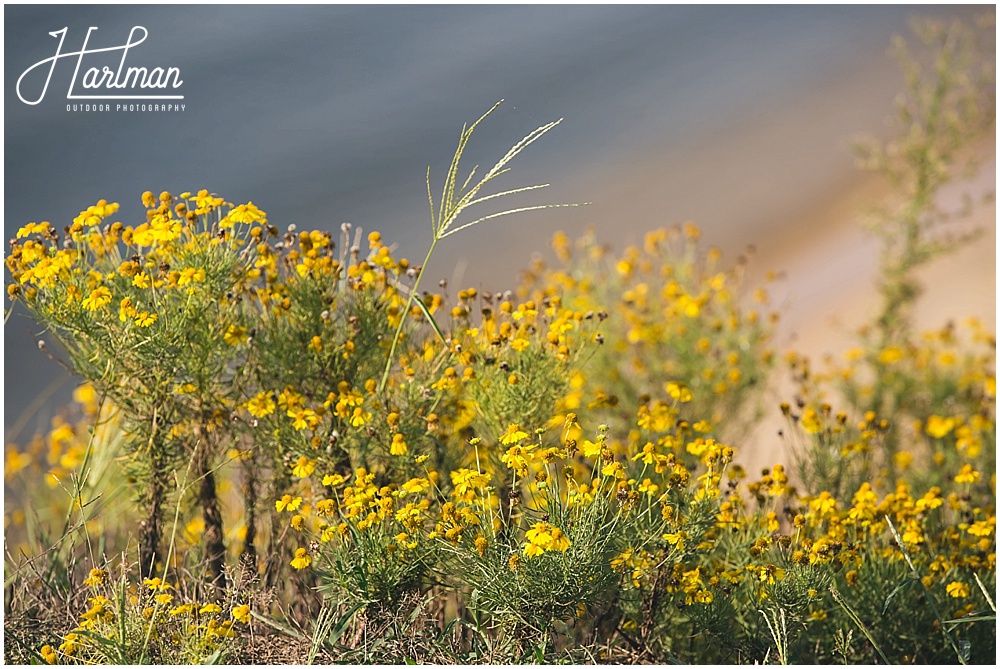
<point>287,502</point>
<point>824,504</point>
<point>303,418</point>
<point>301,559</point>
<point>811,422</point>
<point>241,613</point>
<point>957,589</point>
<point>333,480</point>
<point>678,391</point>
<point>235,335</point>
<point>675,539</point>
<point>590,449</point>
<point>182,609</point>
<point>544,537</point>
<point>303,467</point>
<point>398,446</point>
<point>360,417</point>
<point>939,427</point>
<point>513,435</point>
<point>980,528</point>
<point>890,355</point>
<point>466,481</point>
<point>517,458</point>
<point>260,405</point>
<point>125,309</point>
<point>245,213</point>
<point>967,475</point>
<point>95,578</point>
<point>33,228</point>
<point>144,319</point>
<point>49,654</point>
<point>191,275</point>
<point>416,485</point>
<point>98,298</point>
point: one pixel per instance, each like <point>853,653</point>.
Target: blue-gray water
<point>328,114</point>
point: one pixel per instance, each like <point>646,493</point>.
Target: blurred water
<point>329,114</point>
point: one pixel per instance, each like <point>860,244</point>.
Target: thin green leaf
<point>285,629</point>
<point>216,657</point>
<point>430,319</point>
<point>341,626</point>
<point>892,594</point>
<point>970,619</point>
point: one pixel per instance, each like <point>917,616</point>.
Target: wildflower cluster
<point>132,623</point>
<point>680,314</point>
<point>151,314</point>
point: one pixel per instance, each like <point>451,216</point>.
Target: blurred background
<point>737,118</point>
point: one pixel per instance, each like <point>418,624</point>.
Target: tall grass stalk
<point>452,204</point>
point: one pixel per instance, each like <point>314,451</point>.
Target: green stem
<point>402,319</point>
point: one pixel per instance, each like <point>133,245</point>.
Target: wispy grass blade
<point>513,191</point>
<point>986,593</point>
<point>505,213</point>
<point>430,200</point>
<point>455,199</point>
